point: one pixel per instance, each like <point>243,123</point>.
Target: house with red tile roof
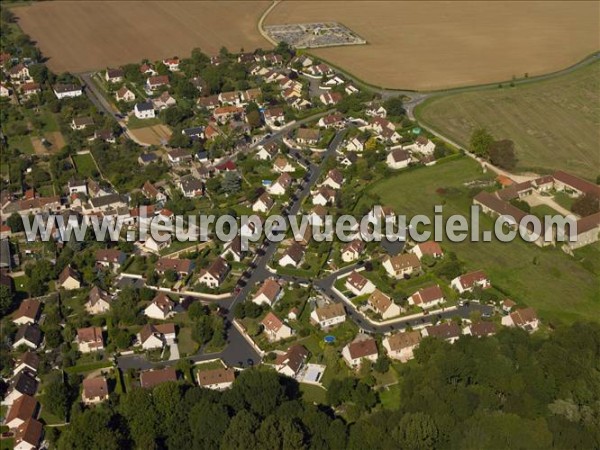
<point>275,329</point>
<point>362,348</point>
<point>468,281</point>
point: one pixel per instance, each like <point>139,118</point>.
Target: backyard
<point>85,165</point>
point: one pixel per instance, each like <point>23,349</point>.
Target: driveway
<point>173,351</point>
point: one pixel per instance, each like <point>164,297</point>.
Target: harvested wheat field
<point>435,45</point>
<point>154,135</point>
<point>82,36</point>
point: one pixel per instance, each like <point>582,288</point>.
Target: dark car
<point>250,362</point>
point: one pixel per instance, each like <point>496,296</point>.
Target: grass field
<point>559,286</point>
<point>85,164</point>
<point>554,123</point>
<point>23,143</point>
<point>82,36</point>
<point>434,45</point>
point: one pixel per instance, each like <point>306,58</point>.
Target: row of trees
<point>509,391</point>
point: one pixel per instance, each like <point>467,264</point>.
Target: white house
<point>99,301</point>
<point>362,348</point>
<point>233,249</point>
<point>90,339</point>
<point>67,91</point>
<point>216,379</point>
<point>383,305</point>
<point>28,312</point>
<point>398,159</point>
<point>4,91</point>
<point>144,110</point>
<point>163,101</point>
<point>401,346</point>
<point>399,265</point>
<point>263,204</point>
<point>334,179</point>
<point>268,293</point>
<point>22,408</point>
<point>292,256</point>
<point>215,274</point>
<point>156,336</point>
<point>525,318</point>
<point>172,64</point>
<point>281,185</point>
<point>430,248</point>
<point>161,308</point>
<point>29,435</point>
<point>324,196</point>
<point>114,75</point>
<point>356,144</point>
<point>275,329</point>
<point>427,297</point>
<point>467,282</point>
<point>291,362</point>
<point>359,285</point>
<point>95,390</point>
<point>422,145</point>
<point>274,117</point>
<point>448,331</point>
<point>353,250</point>
<point>329,315</point>
<point>124,95</point>
<point>156,245</point>
<point>281,165</point>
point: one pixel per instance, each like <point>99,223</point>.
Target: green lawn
<point>7,444</point>
<point>554,123</point>
<point>23,143</point>
<point>390,397</point>
<point>559,286</point>
<point>134,123</point>
<point>564,200</point>
<point>313,394</point>
<point>85,165</point>
<point>82,368</point>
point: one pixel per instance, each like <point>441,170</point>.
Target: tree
<point>142,417</point>
<point>6,299</point>
<point>240,433</point>
<point>253,118</point>
<point>586,205</point>
<point>208,422</point>
<point>502,154</point>
<point>231,183</point>
<point>416,431</point>
<point>15,222</point>
<point>93,428</point>
<point>394,106</point>
<point>56,398</point>
<point>39,73</point>
<point>382,364</point>
<point>481,141</point>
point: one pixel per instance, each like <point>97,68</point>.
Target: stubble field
<point>435,45</point>
<point>83,36</point>
<point>411,45</point>
<point>554,123</point>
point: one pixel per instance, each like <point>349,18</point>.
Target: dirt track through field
<point>86,35</point>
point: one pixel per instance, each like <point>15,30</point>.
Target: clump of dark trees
<point>499,153</point>
<point>509,391</point>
